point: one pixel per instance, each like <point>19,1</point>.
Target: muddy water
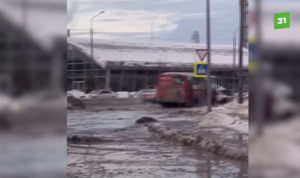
<point>133,152</point>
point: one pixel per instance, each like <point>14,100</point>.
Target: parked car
<point>101,94</point>
<point>76,94</point>
<point>148,95</point>
<point>224,95</point>
<point>123,94</point>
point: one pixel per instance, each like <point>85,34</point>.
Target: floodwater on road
<point>132,152</point>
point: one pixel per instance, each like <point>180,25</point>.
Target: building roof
<point>135,53</point>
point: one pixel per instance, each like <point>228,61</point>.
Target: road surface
<point>131,151</point>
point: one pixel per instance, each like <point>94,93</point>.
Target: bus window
<point>198,83</point>
<point>178,80</point>
<point>195,83</point>
<point>165,81</point>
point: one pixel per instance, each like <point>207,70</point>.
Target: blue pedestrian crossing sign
<point>200,69</point>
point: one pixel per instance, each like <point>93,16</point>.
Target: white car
<point>77,94</point>
<point>148,95</point>
<point>97,94</point>
<point>224,95</point>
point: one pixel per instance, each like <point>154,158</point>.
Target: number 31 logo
<point>282,20</point>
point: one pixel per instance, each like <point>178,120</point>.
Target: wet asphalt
<point>133,152</point>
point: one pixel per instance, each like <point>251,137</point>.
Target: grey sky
<point>173,20</point>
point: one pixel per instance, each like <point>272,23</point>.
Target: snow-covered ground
<point>276,153</point>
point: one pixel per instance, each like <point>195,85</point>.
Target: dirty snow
<point>232,115</point>
<point>277,149</point>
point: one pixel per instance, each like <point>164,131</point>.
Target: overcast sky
<point>173,20</point>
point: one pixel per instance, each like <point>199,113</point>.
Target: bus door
<point>199,88</point>
<point>180,88</point>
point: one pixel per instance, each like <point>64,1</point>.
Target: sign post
<point>209,93</point>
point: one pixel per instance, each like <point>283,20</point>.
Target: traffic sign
<point>201,53</point>
<point>200,69</point>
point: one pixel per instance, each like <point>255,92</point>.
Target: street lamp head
<point>101,12</point>
<point>92,18</point>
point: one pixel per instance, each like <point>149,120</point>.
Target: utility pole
<point>234,62</point>
<point>208,56</point>
<point>91,42</point>
<point>242,36</point>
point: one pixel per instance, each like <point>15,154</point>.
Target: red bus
<point>181,88</point>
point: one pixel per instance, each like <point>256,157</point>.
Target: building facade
<point>86,74</point>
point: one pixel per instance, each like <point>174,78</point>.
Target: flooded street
<point>130,150</point>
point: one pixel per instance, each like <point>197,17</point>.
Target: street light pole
<point>92,34</point>
<point>234,62</point>
<point>91,41</point>
<point>209,87</point>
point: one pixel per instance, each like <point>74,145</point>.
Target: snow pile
<point>218,147</point>
<point>235,107</point>
<point>277,149</point>
<point>231,115</point>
